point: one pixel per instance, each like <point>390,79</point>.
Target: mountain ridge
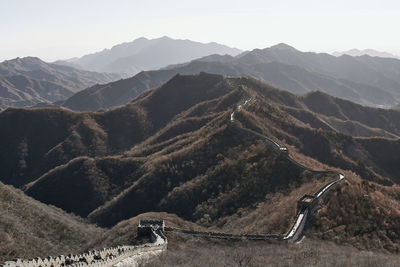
<point>369,52</point>
<point>374,81</point>
<point>173,149</point>
<point>149,127</point>
<point>147,54</point>
<point>28,81</point>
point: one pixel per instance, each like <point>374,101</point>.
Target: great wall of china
<point>134,255</point>
<point>306,205</point>
<point>120,256</point>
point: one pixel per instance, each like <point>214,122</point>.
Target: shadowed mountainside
<point>28,81</point>
<point>30,229</point>
<point>116,93</point>
<point>172,149</point>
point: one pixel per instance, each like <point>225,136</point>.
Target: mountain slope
<point>174,149</point>
<point>359,213</point>
<point>22,91</point>
<point>116,93</point>
<point>28,81</point>
<point>105,133</point>
<point>30,229</point>
<point>144,54</point>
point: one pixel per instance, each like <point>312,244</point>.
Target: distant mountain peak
<point>283,46</point>
<point>165,38</point>
<point>147,54</point>
<point>141,39</point>
<point>28,59</point>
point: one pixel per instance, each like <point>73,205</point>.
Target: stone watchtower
<point>306,201</point>
<point>146,227</point>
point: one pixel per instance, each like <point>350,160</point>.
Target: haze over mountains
<point>147,54</point>
<point>369,52</point>
<point>29,81</point>
<point>366,80</point>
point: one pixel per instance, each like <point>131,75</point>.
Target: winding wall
<point>302,216</point>
<point>133,255</point>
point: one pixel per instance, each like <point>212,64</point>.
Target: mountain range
<point>189,142</point>
<point>29,81</point>
<point>372,81</point>
<point>147,54</point>
<point>173,149</point>
<point>365,80</point>
<point>368,52</point>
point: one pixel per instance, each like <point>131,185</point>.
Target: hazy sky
<point>57,29</point>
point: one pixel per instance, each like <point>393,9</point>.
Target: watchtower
<point>145,227</point>
<point>305,201</point>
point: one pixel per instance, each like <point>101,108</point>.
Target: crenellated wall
<point>104,257</point>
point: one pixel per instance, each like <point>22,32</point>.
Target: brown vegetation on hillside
<point>274,214</point>
<point>363,214</point>
<point>30,229</point>
<point>188,251</point>
<point>207,180</point>
<point>321,141</point>
<point>174,150</point>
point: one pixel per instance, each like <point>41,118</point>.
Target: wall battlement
<point>103,257</point>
